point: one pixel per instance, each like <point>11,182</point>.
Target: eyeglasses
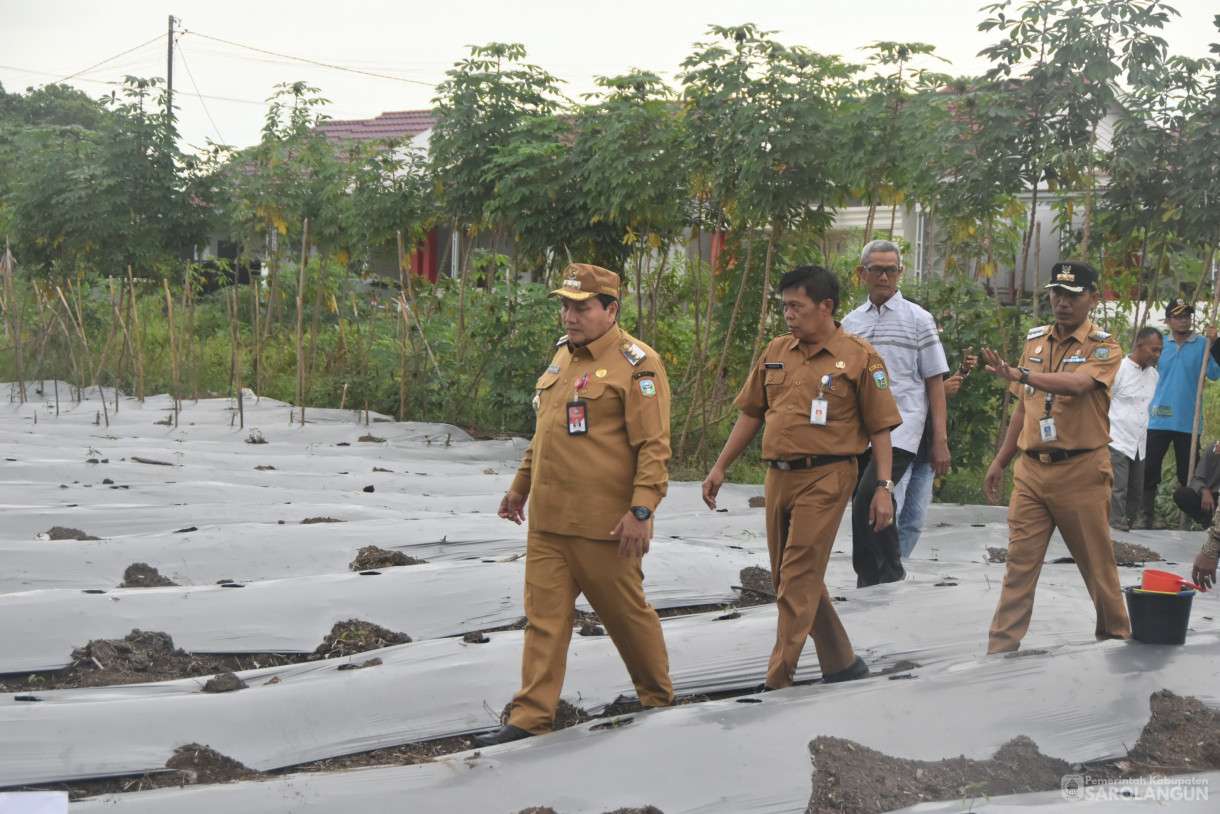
<point>889,271</point>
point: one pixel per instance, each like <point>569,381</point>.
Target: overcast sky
<point>416,42</point>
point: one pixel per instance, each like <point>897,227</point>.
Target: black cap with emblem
<point>1179,307</point>
<point>1073,275</point>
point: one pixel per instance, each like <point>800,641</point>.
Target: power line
<point>195,85</point>
<point>312,61</point>
<point>110,59</point>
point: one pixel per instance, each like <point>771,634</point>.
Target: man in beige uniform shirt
<point>823,395</point>
<point>594,473</point>
<point>1062,478</point>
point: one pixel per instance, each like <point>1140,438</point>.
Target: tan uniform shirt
<point>783,385</point>
<point>1082,422</point>
<point>582,485</point>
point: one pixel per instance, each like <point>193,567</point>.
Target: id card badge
<point>1047,427</point>
<point>578,418</point>
<point>817,413</point>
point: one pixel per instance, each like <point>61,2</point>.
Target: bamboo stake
<point>14,326</point>
<point>173,349</point>
<point>135,319</point>
<point>301,321</point>
<point>236,329</point>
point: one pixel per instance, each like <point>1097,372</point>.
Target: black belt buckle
<point>1046,457</point>
<point>782,465</point>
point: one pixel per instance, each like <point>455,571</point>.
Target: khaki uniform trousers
<point>1073,495</point>
<point>558,568</point>
<point>804,508</point>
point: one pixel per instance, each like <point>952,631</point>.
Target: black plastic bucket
<point>1159,618</point>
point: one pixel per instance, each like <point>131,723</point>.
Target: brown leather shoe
<point>505,734</point>
<point>857,670</point>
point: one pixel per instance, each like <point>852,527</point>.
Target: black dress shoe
<point>858,669</point>
<point>505,734</point>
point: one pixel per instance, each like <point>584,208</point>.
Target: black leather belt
<point>1057,455</point>
<point>810,462</point>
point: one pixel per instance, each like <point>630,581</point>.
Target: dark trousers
<point>1158,445</point>
<point>1191,502</point>
<point>876,555</point>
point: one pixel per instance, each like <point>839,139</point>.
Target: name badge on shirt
<point>817,413</point>
<point>1074,359</point>
<point>578,418</point>
<point>1046,427</point>
<point>773,365</point>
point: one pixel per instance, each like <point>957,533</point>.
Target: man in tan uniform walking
<point>594,473</point>
<point>1062,478</point>
<point>823,395</point>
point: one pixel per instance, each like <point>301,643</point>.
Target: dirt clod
<point>756,586</point>
<point>475,637</point>
<point>224,682</point>
<point>143,575</point>
<point>588,628</point>
<point>997,554</point>
<point>64,533</point>
<point>371,439</point>
<point>309,521</point>
<point>371,557</point>
<point>758,502</point>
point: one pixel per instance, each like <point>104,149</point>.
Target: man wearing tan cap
<point>1059,435</point>
<point>594,474</point>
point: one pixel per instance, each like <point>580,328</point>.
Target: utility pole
<point>169,70</point>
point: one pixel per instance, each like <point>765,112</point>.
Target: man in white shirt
<point>906,337</point>
<point>1130,395</point>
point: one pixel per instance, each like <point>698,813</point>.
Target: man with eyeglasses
<point>906,337</point>
<point>1172,411</point>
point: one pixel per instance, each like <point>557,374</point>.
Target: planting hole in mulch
<point>371,558</point>
<point>143,575</point>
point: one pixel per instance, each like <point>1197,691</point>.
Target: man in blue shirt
<point>1173,404</point>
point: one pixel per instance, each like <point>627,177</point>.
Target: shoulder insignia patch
<point>563,340</point>
<point>880,380</point>
<point>1099,336</point>
<point>1102,353</point>
<point>648,388</point>
<point>875,367</point>
<point>644,373</point>
<point>1034,333</point>
<point>633,352</point>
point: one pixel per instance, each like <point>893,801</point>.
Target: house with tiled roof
<point>399,125</point>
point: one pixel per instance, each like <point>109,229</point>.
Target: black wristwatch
<point>641,512</point>
<point>1024,374</point>
<point>888,484</point>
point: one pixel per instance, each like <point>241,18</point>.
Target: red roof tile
<point>394,124</point>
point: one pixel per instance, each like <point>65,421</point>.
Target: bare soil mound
<point>853,779</point>
<point>1181,737</point>
<point>371,558</point>
<point>143,575</point>
<point>65,533</point>
<point>354,636</point>
<point>201,764</point>
<point>1132,554</point>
